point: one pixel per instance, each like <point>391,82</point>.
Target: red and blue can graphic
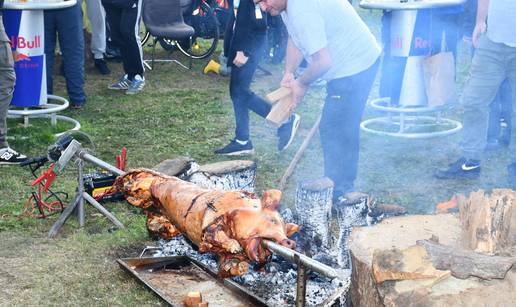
<point>26,35</point>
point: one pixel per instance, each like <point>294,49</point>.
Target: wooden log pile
<point>463,259</point>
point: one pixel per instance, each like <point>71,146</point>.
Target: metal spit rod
<point>297,258</point>
<point>108,167</point>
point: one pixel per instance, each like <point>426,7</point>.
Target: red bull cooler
<point>25,27</point>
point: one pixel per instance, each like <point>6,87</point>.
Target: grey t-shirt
<point>315,24</point>
<point>501,22</point>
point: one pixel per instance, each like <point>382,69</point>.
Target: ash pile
<point>275,284</point>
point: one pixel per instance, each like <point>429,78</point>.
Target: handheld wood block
<point>282,106</point>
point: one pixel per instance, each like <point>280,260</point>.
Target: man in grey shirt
<point>339,48</point>
<point>493,62</point>
<point>7,79</point>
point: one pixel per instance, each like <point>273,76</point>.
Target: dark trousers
<point>124,24</point>
<point>340,125</point>
<point>66,25</point>
<point>242,96</point>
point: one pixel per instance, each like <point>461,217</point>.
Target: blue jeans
<point>491,65</point>
<point>500,108</point>
<point>66,25</point>
<point>242,96</point>
<point>340,126</point>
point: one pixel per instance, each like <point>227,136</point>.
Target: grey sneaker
<point>136,86</point>
<point>122,84</point>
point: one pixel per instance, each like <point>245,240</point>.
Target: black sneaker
<point>287,131</point>
<point>9,156</point>
<point>236,149</point>
<point>460,169</point>
<point>102,67</point>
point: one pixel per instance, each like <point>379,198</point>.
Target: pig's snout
<point>288,243</point>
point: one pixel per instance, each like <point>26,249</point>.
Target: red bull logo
<point>21,42</point>
<point>21,57</point>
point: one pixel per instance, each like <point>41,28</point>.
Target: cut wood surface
<point>278,94</point>
<point>464,263</point>
<point>410,263</point>
<point>401,233</point>
<point>489,220</point>
<point>193,299</point>
<point>282,106</point>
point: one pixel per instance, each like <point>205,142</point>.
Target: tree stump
<point>313,206</point>
<point>178,167</point>
<point>351,212</point>
<point>395,264</point>
<point>226,175</point>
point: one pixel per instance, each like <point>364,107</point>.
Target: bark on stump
<point>489,221</point>
<point>417,275</point>
<point>226,175</point>
<point>351,212</point>
<point>313,206</point>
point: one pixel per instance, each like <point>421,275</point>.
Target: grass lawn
<point>185,113</point>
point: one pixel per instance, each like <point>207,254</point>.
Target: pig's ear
<point>291,229</point>
<point>271,199</point>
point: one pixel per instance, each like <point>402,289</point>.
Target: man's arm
<point>320,63</point>
<point>480,25</point>
<point>293,59</point>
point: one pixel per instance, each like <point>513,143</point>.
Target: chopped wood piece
<point>193,299</point>
<point>203,304</point>
<point>463,263</point>
<point>278,94</point>
<point>407,264</point>
<point>282,106</point>
<point>488,221</point>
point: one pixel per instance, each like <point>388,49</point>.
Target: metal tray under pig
<point>171,278</point>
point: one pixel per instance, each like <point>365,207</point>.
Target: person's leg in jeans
<point>340,127</point>
<point>486,74</point>
<point>505,113</point>
<point>50,47</point>
<point>511,77</point>
<point>493,126</point>
<point>71,42</point>
<point>244,99</point>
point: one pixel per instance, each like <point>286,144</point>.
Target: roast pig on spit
<point>231,224</point>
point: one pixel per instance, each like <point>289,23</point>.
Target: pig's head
<point>250,225</point>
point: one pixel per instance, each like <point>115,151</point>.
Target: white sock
<point>241,142</point>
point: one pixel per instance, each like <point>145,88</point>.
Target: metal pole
<point>102,210</point>
<point>80,190</point>
<point>302,275</point>
<point>308,262</point>
<point>108,167</point>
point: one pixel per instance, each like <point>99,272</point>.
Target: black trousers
<point>242,96</point>
<point>340,126</point>
<point>124,23</point>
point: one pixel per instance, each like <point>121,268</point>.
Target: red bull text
<point>21,42</point>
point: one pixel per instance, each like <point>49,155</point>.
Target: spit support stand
<point>304,264</point>
<point>81,195</point>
